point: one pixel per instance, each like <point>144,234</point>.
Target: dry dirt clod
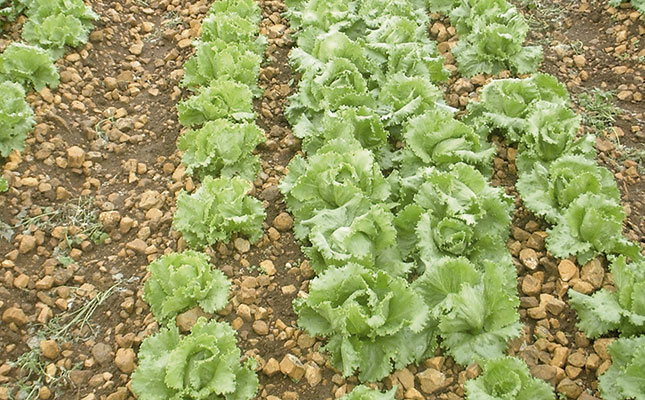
<point>124,360</point>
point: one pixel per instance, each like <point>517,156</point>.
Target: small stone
<point>271,367</point>
<point>150,199</point>
<point>45,283</point>
<point>600,347</point>
<point>75,157</point>
<point>124,360</point>
<point>27,244</point>
<point>577,359</point>
<point>555,306</point>
<point>120,394</point>
<point>21,281</point>
<point>579,60</point>
<point>529,258</point>
<point>531,286</point>
<point>49,349</point>
<point>593,273</point>
<point>268,267</point>
<point>283,222</point>
<point>544,372</point>
<point>261,328</point>
<point>312,374</point>
<point>242,245</point>
<point>102,353</point>
<point>136,48</point>
<point>559,356</point>
<point>567,270</point>
<point>413,394</point>
<point>44,393</point>
<point>569,388</point>
<point>187,319</point>
<point>137,245</point>
<point>292,367</point>
<point>625,95</point>
<point>15,315</point>
<point>432,380</point>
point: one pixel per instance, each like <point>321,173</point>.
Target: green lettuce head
<point>202,365</point>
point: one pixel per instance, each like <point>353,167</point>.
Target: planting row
<point>218,150</point>
<point>392,188</point>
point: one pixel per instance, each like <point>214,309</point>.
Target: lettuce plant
<point>436,139</point>
<point>417,59</point>
<point>248,9</point>
<point>360,123</point>
<point>371,12</point>
<point>55,32</point>
<point>371,319</point>
<point>623,310</point>
<point>548,190</point>
<point>219,208</point>
<point>405,97</point>
<point>476,306</point>
<point>179,281</point>
<point>452,213</point>
<point>321,15</point>
<point>592,224</point>
<point>222,148</point>
<point>625,379</point>
<point>203,365</point>
<point>40,10</point>
<point>356,232</point>
<point>505,103</point>
<point>391,31</point>
<point>507,378</point>
<point>29,66</point>
<point>365,393</point>
<point>16,118</point>
<point>230,27</point>
<point>330,178</point>
<point>222,99</point>
<point>221,60</point>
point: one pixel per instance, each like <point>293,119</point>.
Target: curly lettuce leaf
<point>592,224</point>
<point>55,32</point>
<point>322,15</point>
<point>248,9</point>
<point>203,364</point>
<point>436,139</point>
<point>329,179</point>
<point>357,232</point>
<point>30,66</point>
<point>222,148</point>
<point>219,208</point>
<point>365,393</point>
<point>372,320</point>
<point>417,59</point>
<point>392,31</point>
<point>179,281</point>
<point>476,308</point>
<point>39,10</point>
<point>221,60</point>
<point>222,99</point>
<point>548,192</point>
<point>16,118</point>
<point>507,378</point>
<point>231,27</point>
<point>625,379</point>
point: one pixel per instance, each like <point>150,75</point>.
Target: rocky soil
<point>91,200</point>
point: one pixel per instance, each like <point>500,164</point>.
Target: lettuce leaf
<point>322,15</point>
<point>16,118</point>
<point>248,9</point>
<point>548,192</point>
<point>436,139</point>
<point>231,27</point>
<point>625,379</point>
<point>365,393</point>
<point>221,60</point>
<point>204,364</point>
<point>39,10</point>
<point>452,213</point>
<point>417,59</point>
<point>371,319</point>
<point>222,99</point>
<point>357,232</point>
<point>179,281</point>
<point>55,32</point>
<point>29,66</point>
<point>329,179</point>
<point>219,208</point>
<point>507,378</point>
<point>592,224</point>
<point>476,307</point>
<point>222,148</point>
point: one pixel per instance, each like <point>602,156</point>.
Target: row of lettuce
<point>560,180</point>
<point>393,187</point>
<point>218,149</point>
<point>50,26</point>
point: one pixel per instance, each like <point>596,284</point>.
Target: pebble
<point>242,245</point>
<point>531,286</point>
<point>271,368</point>
<point>567,270</point>
<point>27,244</point>
<point>283,222</point>
<point>292,367</point>
<point>49,349</point>
<point>529,258</point>
<point>593,272</point>
<point>102,353</point>
<point>186,320</point>
<point>75,157</point>
<point>432,380</point>
<point>14,315</point>
<point>124,360</point>
<point>569,388</point>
